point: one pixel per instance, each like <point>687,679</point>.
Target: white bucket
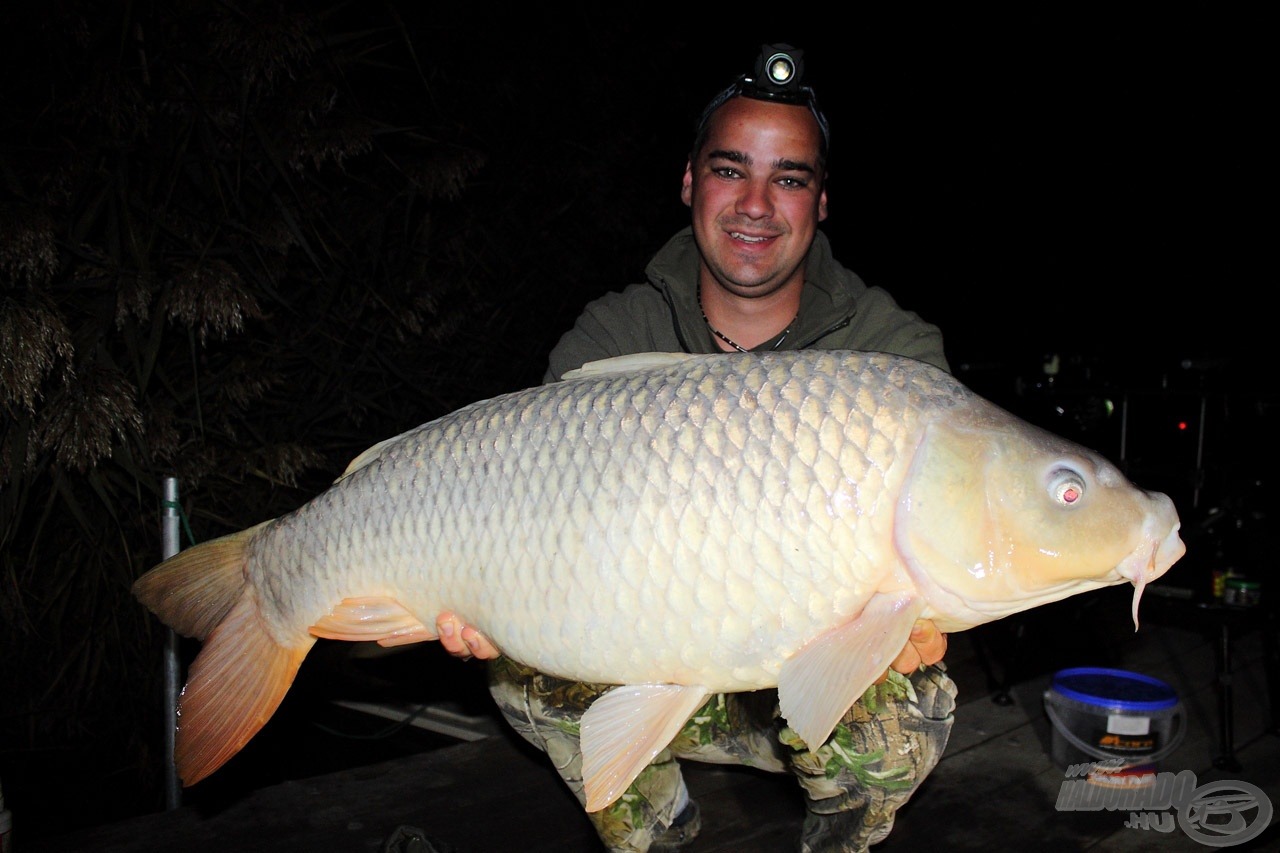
<point>1123,720</point>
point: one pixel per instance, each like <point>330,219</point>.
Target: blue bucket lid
<point>1117,688</point>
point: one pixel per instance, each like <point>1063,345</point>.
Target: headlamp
<point>777,75</point>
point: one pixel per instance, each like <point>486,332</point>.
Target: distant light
<point>1182,426</point>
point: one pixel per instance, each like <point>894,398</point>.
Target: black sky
<point>1080,183</point>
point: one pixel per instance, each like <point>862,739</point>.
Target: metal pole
<point>172,680</point>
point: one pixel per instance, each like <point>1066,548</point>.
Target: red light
<point>1182,426</point>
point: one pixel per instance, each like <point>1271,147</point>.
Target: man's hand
<point>461,640</point>
<point>925,646</point>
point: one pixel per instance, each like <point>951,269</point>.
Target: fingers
<point>925,647</point>
<point>929,642</point>
<point>907,661</point>
<point>450,630</point>
<point>479,644</point>
<point>461,640</point>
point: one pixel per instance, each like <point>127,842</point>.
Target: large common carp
<point>679,525</point>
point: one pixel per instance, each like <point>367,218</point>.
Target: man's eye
<point>726,172</point>
<point>793,183</point>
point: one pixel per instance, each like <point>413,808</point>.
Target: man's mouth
<point>748,238</point>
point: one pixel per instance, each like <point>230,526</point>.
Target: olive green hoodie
<point>837,311</point>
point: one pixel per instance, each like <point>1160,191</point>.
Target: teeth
<point>740,236</point>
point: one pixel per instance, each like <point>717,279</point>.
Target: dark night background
<point>414,201</point>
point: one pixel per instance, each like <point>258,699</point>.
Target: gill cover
<point>998,516</point>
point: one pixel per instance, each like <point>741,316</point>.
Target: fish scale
<point>715,523</point>
<point>622,524</point>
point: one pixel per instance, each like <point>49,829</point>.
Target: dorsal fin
<point>627,364</point>
<point>368,456</point>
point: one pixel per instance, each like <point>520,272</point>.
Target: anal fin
<point>624,729</point>
<point>374,617</point>
<point>820,683</point>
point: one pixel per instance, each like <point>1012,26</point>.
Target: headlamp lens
<point>781,68</point>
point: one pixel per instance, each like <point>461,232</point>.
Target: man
<point>752,273</point>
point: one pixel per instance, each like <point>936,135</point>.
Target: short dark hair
<point>777,75</point>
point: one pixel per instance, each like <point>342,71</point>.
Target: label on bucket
<point>1121,724</point>
<point>1117,743</point>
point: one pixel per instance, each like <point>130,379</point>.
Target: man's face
<point>756,195</point>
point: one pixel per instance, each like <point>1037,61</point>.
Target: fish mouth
<point>1158,549</point>
<point>1151,559</point>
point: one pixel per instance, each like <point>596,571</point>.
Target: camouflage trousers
<point>853,785</point>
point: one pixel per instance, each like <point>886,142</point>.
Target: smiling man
<point>752,273</point>
<point>757,196</point>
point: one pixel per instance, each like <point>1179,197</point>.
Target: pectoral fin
<point>624,729</point>
<point>823,679</point>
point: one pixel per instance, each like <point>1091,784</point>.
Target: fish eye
<point>1066,486</point>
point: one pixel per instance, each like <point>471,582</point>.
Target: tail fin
<point>242,673</point>
<point>234,686</point>
<point>194,590</point>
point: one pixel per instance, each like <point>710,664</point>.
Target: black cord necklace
<point>730,341</point>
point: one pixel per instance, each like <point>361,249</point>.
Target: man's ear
<point>822,206</point>
<point>686,186</point>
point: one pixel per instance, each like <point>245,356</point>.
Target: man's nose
<point>755,200</point>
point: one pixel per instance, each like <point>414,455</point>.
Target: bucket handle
<point>1087,748</point>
